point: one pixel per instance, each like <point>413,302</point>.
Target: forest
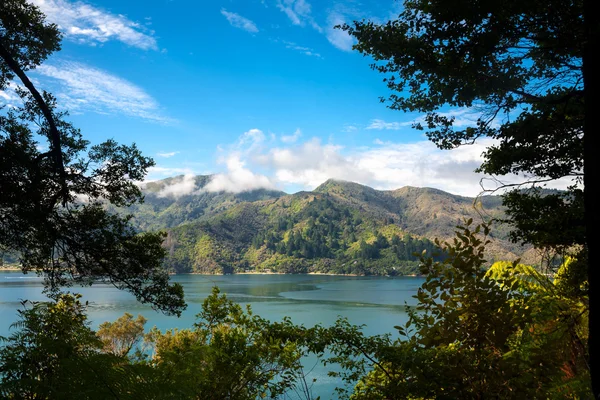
<point>481,327</point>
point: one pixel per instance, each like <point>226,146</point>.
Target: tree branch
<point>54,134</point>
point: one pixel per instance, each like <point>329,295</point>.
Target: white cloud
<point>299,12</point>
<point>84,23</point>
<point>292,138</point>
<point>181,187</point>
<point>253,135</point>
<point>305,50</point>
<point>422,164</point>
<point>9,97</point>
<point>86,88</point>
<point>349,128</point>
<point>380,124</point>
<point>385,165</point>
<point>238,178</point>
<point>463,117</point>
<point>337,37</point>
<point>160,172</point>
<point>167,155</point>
<point>311,163</point>
<point>250,141</point>
<point>238,21</point>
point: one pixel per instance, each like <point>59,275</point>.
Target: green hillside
<point>162,211</point>
<point>340,227</point>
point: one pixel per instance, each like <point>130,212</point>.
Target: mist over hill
<point>340,227</point>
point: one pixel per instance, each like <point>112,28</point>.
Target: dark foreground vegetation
<point>504,332</point>
<point>479,331</point>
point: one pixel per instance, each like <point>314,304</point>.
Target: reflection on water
<point>307,299</point>
<point>377,303</point>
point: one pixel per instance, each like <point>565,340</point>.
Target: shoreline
<point>15,268</point>
<point>299,273</point>
<point>10,268</point>
<point>265,273</point>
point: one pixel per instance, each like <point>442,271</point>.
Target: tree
<point>121,336</point>
<point>230,354</point>
<point>55,355</point>
<point>52,203</point>
<point>529,67</point>
<point>505,331</point>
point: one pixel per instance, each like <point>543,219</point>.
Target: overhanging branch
<point>54,134</point>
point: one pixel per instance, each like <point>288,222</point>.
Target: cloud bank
<point>293,166</point>
<point>238,178</point>
<point>181,187</point>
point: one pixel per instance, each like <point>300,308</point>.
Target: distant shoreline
<point>299,273</point>
<point>265,273</point>
<point>17,268</point>
<point>284,273</point>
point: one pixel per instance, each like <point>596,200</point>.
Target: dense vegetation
<point>531,346</point>
<point>69,241</point>
<point>528,70</point>
<point>340,227</point>
<point>307,234</point>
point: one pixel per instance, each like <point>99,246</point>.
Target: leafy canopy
<point>527,68</point>
<point>519,66</point>
<point>53,354</point>
<point>504,332</point>
<point>230,354</point>
<point>52,204</point>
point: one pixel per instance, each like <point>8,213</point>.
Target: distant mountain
<point>340,227</point>
<point>168,204</point>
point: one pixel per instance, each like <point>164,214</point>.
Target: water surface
<point>378,303</point>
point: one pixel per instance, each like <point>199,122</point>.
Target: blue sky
<point>260,93</point>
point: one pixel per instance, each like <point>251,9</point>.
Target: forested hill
<point>340,227</point>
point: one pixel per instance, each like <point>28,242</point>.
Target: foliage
<point>62,229</point>
<point>527,68</point>
<point>520,66</point>
<point>123,335</point>
<point>506,332</point>
<point>230,354</point>
<point>515,57</point>
<point>55,355</point>
<point>26,35</point>
<point>331,230</point>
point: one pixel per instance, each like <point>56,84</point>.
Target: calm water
<point>378,303</point>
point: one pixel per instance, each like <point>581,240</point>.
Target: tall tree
<point>529,67</point>
<point>51,203</point>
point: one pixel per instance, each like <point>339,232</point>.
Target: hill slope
<point>340,227</point>
<point>175,201</point>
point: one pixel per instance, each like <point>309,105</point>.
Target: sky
<point>260,93</point>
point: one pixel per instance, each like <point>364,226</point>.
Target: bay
<point>378,303</point>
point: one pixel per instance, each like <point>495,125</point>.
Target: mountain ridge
<point>340,227</point>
